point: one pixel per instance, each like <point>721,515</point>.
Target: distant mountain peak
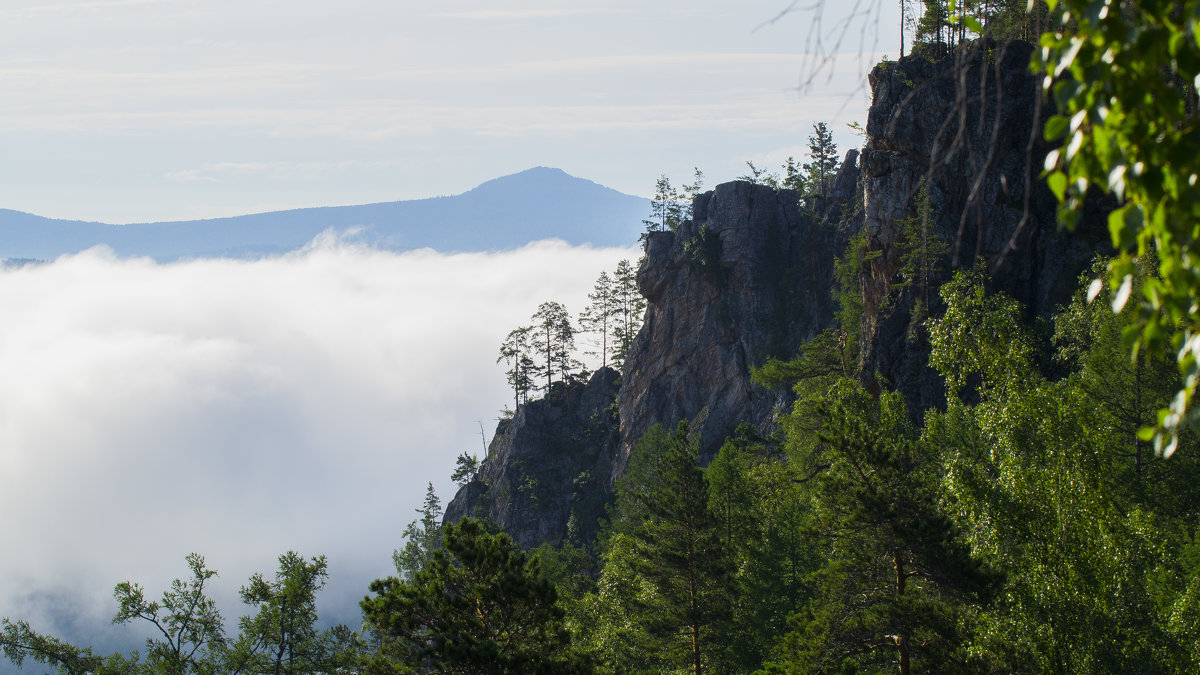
<point>502,213</point>
<point>538,177</point>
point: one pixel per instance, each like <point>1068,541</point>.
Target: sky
<point>241,409</point>
<point>149,110</point>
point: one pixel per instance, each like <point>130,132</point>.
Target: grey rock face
<point>969,125</point>
<point>751,275</point>
<point>747,278</point>
<point>545,475</point>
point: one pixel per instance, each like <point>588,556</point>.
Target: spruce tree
<point>822,161</point>
<point>922,253</point>
<point>678,549</point>
<point>422,537</point>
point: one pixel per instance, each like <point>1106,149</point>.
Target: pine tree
<point>823,161</point>
<point>793,175</point>
<point>553,338</point>
<point>934,26</point>
<point>760,176</point>
<point>480,606</point>
<point>678,549</point>
<point>517,351</point>
<point>690,190</point>
<point>186,617</point>
<point>466,466</point>
<point>422,537</point>
<point>666,207</point>
<point>922,252</point>
<point>898,572</point>
<point>282,636</point>
<point>599,316</point>
<point>631,305</point>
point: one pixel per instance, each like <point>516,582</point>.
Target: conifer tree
<point>631,306</point>
<point>922,252</point>
<point>480,606</point>
<point>186,618</point>
<point>421,537</point>
<point>600,315</point>
<point>553,338</point>
<point>678,549</point>
<point>690,190</point>
<point>793,175</point>
<point>466,466</point>
<point>282,636</point>
<point>760,176</point>
<point>517,350</point>
<point>822,161</point>
<point>666,207</point>
<point>898,571</point>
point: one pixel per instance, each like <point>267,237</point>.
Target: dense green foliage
<point>1025,528</point>
<point>480,606</point>
<point>1124,82</point>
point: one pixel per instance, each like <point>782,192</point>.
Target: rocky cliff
<point>747,278</point>
<point>546,475</point>
<point>750,276</point>
<point>968,125</point>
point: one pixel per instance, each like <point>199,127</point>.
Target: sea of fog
<point>241,409</point>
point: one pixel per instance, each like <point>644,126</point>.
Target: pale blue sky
<point>135,110</point>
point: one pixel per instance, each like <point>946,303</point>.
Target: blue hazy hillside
<point>503,213</point>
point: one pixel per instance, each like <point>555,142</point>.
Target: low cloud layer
<point>242,409</point>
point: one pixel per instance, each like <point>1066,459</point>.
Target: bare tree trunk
<point>901,635</point>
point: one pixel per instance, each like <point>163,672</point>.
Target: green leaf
<point>1056,128</point>
<point>1057,182</point>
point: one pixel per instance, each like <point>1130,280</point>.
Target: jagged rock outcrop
<point>969,125</point>
<point>545,477</point>
<point>749,277</point>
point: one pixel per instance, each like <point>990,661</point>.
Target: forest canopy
<point>1043,519</point>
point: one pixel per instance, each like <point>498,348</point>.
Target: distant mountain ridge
<point>502,213</point>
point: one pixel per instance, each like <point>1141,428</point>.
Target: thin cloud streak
<point>74,7</point>
<point>501,14</point>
